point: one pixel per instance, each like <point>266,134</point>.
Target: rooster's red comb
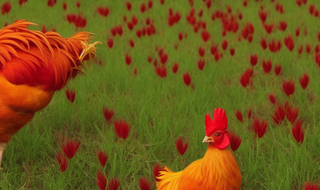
<point>219,122</point>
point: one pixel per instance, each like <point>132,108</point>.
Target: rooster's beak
<point>207,139</point>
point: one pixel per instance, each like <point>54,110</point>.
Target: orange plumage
<point>218,169</point>
<point>33,65</point>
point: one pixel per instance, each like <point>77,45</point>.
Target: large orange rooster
<point>218,169</point>
<point>33,65</point>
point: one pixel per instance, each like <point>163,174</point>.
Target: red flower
<point>103,158</point>
<point>78,4</point>
<point>62,161</point>
<point>119,30</point>
<point>107,114</point>
<point>5,8</point>
<point>22,2</point>
<point>262,15</point>
<point>121,128</point>
<point>253,59</point>
<point>249,113</point>
<point>263,43</point>
<point>144,184</point>
<point>181,146</point>
<point>128,59</point>
<point>297,32</point>
<point>268,28</point>
<point>110,43</point>
<point>186,79</point>
<point>282,25</point>
<point>239,116</point>
<point>150,3</point>
<point>297,132</point>
<point>175,68</point>
<point>180,36</point>
<point>304,80</point>
<point>70,148</point>
<point>246,77</point>
<point>224,44</point>
<point>232,51</point>
<point>309,186</point>
<point>288,87</point>
<point>51,3</point>
<point>101,181</point>
<point>162,2</point>
<point>259,128</point>
<point>291,113</point>
<point>156,171</point>
<point>134,20</point>
<point>235,141</point>
<point>161,71</point>
<point>201,51</point>
<point>142,8</point>
<point>245,3</point>
<point>300,49</point>
<point>308,48</point>
<point>201,64</point>
<point>135,71</point>
<point>266,66</point>
<point>272,98</point>
<point>103,11</point>
<point>279,114</point>
<point>64,6</point>
<point>131,43</point>
<point>128,6</point>
<point>71,95</point>
<point>311,9</point>
<point>205,35</point>
<point>288,41</point>
<point>278,69</point>
<point>113,184</point>
<point>164,58</point>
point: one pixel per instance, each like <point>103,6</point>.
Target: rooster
<point>218,169</point>
<point>33,65</point>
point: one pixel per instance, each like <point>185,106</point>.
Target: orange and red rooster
<point>33,65</point>
<point>218,169</point>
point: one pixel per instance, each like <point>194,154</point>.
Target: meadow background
<point>159,109</point>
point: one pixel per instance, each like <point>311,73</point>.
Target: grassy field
<point>159,110</point>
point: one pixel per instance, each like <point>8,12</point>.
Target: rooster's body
<point>33,65</point>
<point>217,170</point>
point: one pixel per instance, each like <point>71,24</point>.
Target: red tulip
<point>300,49</point>
<point>278,69</point>
<point>224,44</point>
<point>101,181</point>
<point>282,25</point>
<point>253,59</point>
<point>107,114</point>
<point>201,51</point>
<point>62,161</point>
<point>186,79</point>
<point>164,58</point>
<point>5,8</point>
<point>103,158</point>
<point>201,64</point>
<point>246,77</point>
<point>245,3</point>
<point>288,87</point>
<point>128,59</point>
<point>180,36</point>
<point>232,51</point>
<point>266,66</point>
<point>131,43</point>
<point>291,113</point>
<point>121,128</point>
<point>311,9</point>
<point>297,132</point>
<point>161,71</point>
<point>304,80</point>
<point>297,32</point>
<point>70,148</point>
<point>162,2</point>
<point>288,41</point>
<point>78,4</point>
<point>51,3</point>
<point>309,186</point>
<point>308,48</point>
<point>135,71</point>
<point>64,6</point>
<point>279,114</point>
<point>205,35</point>
<point>144,184</point>
<point>128,6</point>
<point>156,171</point>
<point>272,98</point>
<point>262,15</point>
<point>119,30</point>
<point>113,184</point>
<point>317,49</point>
<point>239,116</point>
<point>142,8</point>
<point>263,43</point>
<point>150,3</point>
<point>235,141</point>
<point>103,11</point>
<point>22,2</point>
<point>71,95</point>
<point>181,146</point>
<point>259,127</point>
<point>175,68</point>
<point>110,43</point>
<point>249,113</point>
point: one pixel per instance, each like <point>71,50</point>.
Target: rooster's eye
<point>217,134</point>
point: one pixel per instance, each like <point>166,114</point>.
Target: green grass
<point>276,161</point>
